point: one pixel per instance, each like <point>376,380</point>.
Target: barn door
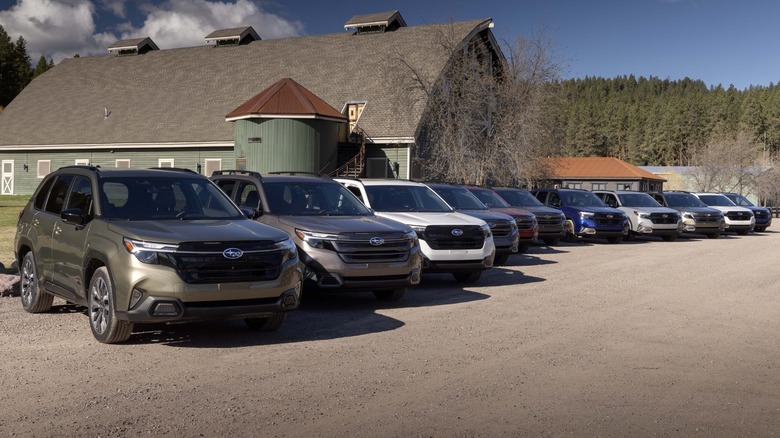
<point>7,177</point>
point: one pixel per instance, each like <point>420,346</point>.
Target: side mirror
<point>73,216</point>
<point>251,213</point>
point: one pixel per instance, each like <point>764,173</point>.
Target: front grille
<point>607,219</point>
<point>761,215</point>
<point>524,222</point>
<point>441,237</point>
<point>706,217</point>
<point>203,262</point>
<point>501,228</point>
<point>357,247</point>
<point>664,218</point>
<point>548,219</point>
<point>739,215</point>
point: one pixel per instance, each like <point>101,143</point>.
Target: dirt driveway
<point>643,338</point>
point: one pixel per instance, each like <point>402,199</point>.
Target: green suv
<point>149,246</point>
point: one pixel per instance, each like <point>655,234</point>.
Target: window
<point>81,195</point>
<point>82,162</point>
<point>44,168</point>
<point>599,186</point>
<point>624,186</point>
<point>165,162</point>
<point>58,191</point>
<point>122,164</point>
<point>573,185</point>
<point>376,167</point>
<point>240,163</point>
<point>212,164</point>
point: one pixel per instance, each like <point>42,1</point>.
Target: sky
<point>721,42</point>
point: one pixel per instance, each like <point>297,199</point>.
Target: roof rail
<point>174,169</point>
<point>237,172</point>
<point>299,172</point>
<point>81,166</point>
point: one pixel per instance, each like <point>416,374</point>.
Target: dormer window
<point>376,23</point>
<point>136,46</point>
<point>233,37</point>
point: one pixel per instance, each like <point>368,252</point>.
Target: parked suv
<point>526,221</point>
<point>451,242</point>
<point>645,215</point>
<point>737,219</point>
<point>149,246</point>
<point>343,245</point>
<point>586,215</point>
<point>697,217</point>
<point>762,214</point>
<point>503,226</point>
<point>551,221</point>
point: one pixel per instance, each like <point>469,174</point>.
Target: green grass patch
<point>10,206</point>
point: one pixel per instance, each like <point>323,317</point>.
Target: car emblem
<point>376,241</point>
<point>232,253</point>
<point>457,232</point>
<point>548,217</point>
<point>609,216</point>
<point>665,216</point>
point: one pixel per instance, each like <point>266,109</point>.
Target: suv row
<point>149,246</point>
<point>586,215</point>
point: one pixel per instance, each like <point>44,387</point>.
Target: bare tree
<point>726,164</point>
<point>486,118</point>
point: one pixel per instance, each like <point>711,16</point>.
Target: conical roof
<point>286,99</point>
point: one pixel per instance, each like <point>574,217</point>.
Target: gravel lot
<point>587,339</point>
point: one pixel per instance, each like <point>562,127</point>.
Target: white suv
<point>646,216</point>
<point>450,241</point>
<point>738,219</point>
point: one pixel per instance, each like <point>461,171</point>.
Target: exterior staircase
<point>354,167</point>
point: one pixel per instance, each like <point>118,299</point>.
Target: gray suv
<point>343,245</point>
<point>151,246</point>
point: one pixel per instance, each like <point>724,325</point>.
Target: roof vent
<point>233,37</point>
<point>376,23</point>
<point>136,46</point>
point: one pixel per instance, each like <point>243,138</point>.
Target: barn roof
<point>598,168</point>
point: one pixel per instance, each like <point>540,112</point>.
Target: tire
<point>713,235</point>
<point>390,294</point>
<point>629,236</point>
<point>467,277</point>
<point>569,227</point>
<point>615,239</point>
<point>759,229</point>
<point>34,300</point>
<point>669,238</point>
<point>101,310</point>
<point>551,241</point>
<point>523,247</point>
<point>267,324</point>
<point>502,259</point>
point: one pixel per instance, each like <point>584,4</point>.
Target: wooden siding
<point>395,153</point>
<point>25,182</point>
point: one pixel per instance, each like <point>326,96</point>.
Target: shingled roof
<point>182,95</point>
<point>599,168</point>
<point>286,98</point>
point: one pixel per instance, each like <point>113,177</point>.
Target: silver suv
<point>645,215</point>
<point>697,217</point>
<point>738,219</point>
<point>343,245</point>
<point>150,246</point>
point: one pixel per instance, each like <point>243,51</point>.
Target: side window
<point>541,196</point>
<point>247,195</point>
<point>43,192</point>
<point>356,191</point>
<point>58,192</point>
<point>610,200</point>
<point>81,195</point>
<point>554,200</point>
<point>226,185</point>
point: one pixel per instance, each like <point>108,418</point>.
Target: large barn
<point>305,104</point>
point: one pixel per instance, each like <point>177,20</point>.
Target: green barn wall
<point>25,182</point>
<point>395,153</point>
<point>303,145</point>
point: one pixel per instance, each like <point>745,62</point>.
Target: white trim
<point>70,147</point>
<point>118,160</point>
<point>285,116</point>
<point>38,172</point>
<point>7,177</point>
<point>81,162</point>
<point>409,162</point>
<point>161,161</point>
<point>391,139</point>
<point>206,161</point>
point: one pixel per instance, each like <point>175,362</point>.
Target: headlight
<point>485,230</point>
<point>687,215</point>
<point>642,215</point>
<point>412,237</point>
<point>513,224</point>
<point>420,230</point>
<point>146,252</point>
<point>586,215</point>
<point>315,240</point>
<point>289,251</point>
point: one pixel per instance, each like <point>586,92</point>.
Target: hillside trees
<point>15,67</point>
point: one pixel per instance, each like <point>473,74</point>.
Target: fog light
<point>135,297</point>
<point>415,278</point>
<point>165,309</point>
<point>588,231</point>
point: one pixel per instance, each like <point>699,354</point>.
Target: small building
<point>322,104</point>
<point>602,173</point>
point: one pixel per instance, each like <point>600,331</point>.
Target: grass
<point>10,206</point>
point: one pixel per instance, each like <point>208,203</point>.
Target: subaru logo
<point>376,241</point>
<point>232,253</point>
<point>609,216</point>
<point>457,232</point>
<point>665,216</point>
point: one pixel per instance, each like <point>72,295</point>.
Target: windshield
<point>398,198</point>
<point>581,199</point>
<point>174,197</point>
<point>312,198</point>
<point>740,200</point>
<point>681,200</point>
<point>459,198</point>
<point>638,200</point>
<point>490,198</point>
<point>518,198</point>
<point>716,200</point>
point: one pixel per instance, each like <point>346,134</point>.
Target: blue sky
<point>718,41</point>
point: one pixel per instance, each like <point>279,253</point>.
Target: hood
<point>487,215</point>
<point>512,211</point>
<point>343,224</point>
<point>606,210</point>
<point>728,208</point>
<point>425,219</point>
<point>652,209</point>
<point>700,210</point>
<point>176,231</point>
<point>539,210</point>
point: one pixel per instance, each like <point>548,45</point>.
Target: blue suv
<point>762,214</point>
<point>586,215</point>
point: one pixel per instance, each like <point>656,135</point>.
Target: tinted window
<point>490,198</point>
<point>399,198</point>
<point>460,198</point>
<point>43,192</point>
<point>716,200</point>
<point>59,190</point>
<point>519,198</point>
<point>638,200</point>
<point>307,198</point>
<point>581,199</point>
<point>81,195</point>
<point>681,200</point>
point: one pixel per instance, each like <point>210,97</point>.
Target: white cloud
<point>59,29</point>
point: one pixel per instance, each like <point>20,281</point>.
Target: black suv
<point>148,246</point>
<point>343,245</point>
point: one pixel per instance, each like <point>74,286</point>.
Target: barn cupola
<point>375,23</point>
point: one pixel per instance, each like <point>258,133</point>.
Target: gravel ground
<point>645,338</point>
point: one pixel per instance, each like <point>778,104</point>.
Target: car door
<point>46,224</point>
<point>70,240</point>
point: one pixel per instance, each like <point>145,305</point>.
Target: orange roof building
<point>602,173</point>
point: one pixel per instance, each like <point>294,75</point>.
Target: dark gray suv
<point>148,246</point>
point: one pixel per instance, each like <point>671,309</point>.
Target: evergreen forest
<point>16,70</point>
